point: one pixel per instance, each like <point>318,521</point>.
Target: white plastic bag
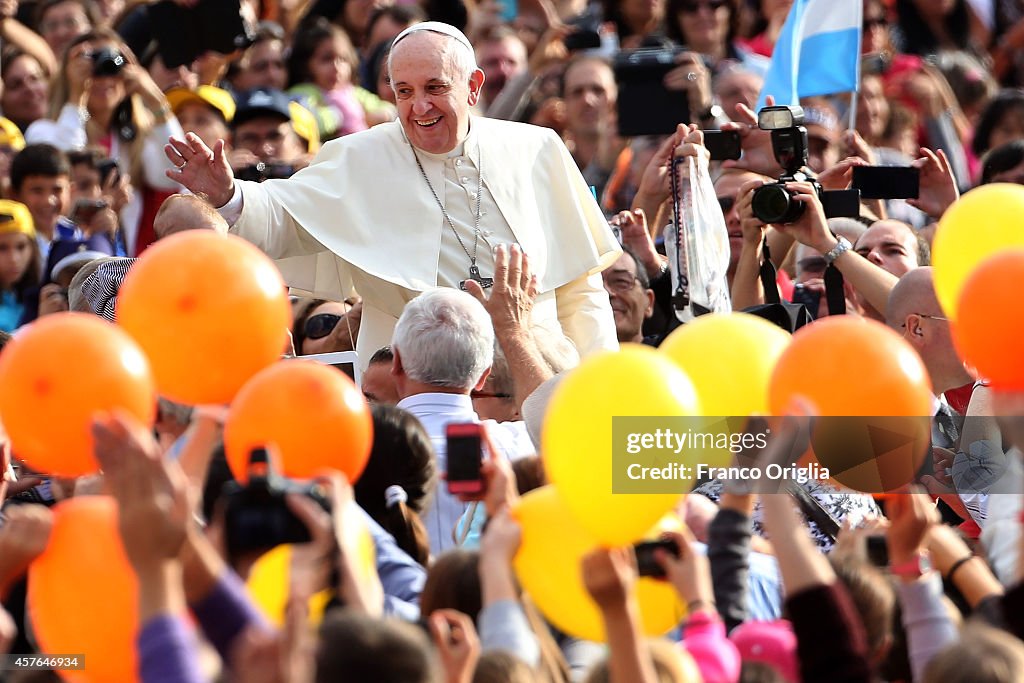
<point>699,251</point>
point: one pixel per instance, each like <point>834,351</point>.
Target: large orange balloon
<point>314,414</point>
<point>847,367</point>
<point>209,310</point>
<point>990,328</point>
<point>83,594</point>
<point>55,375</point>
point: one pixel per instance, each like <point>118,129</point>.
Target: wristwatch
<point>842,245</point>
<point>913,568</point>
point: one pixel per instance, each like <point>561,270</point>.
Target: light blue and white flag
<point>817,53</point>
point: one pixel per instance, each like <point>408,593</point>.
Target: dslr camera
<point>256,514</point>
<point>773,203</point>
<point>107,61</point>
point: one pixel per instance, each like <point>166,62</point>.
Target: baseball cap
<point>261,102</point>
<point>219,99</point>
<point>15,217</point>
<point>770,642</point>
<point>10,135</point>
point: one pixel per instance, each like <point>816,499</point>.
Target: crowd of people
<point>445,189</point>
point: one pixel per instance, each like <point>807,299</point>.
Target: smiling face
<point>432,92</point>
<point>26,90</point>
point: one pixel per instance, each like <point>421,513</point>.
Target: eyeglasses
<point>621,284</point>
<point>488,394</point>
<point>726,203</point>
<point>694,7</point>
<point>925,315</point>
<point>320,325</point>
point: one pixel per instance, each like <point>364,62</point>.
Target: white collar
<point>437,402</point>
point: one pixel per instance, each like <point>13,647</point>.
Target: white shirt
<point>436,412</point>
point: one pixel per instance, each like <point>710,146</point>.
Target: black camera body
<point>107,61</point>
<point>773,203</point>
<point>262,170</point>
<point>257,516</point>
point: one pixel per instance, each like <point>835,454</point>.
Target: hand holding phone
<point>85,210</point>
<point>646,561</point>
<point>887,182</point>
<point>465,458</point>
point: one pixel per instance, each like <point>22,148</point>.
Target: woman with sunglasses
<point>326,326</point>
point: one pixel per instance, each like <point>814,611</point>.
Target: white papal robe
<point>362,214</point>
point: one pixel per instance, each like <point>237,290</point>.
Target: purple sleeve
<point>167,652</point>
<point>226,612</point>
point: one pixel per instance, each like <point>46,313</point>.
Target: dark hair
<point>308,39</point>
<point>641,272</point>
<point>302,311</point>
<point>918,39</point>
<point>529,473</point>
<point>400,14</point>
<point>382,355</point>
<point>356,647</point>
<point>453,582</point>
<point>1001,159</point>
<point>90,156</point>
<point>674,31</point>
<point>402,455</point>
<point>1003,103</point>
<point>42,159</point>
<point>376,61</point>
<point>612,11</point>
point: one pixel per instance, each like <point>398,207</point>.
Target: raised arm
<point>202,170</point>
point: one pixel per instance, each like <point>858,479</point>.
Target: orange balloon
<point>209,310</point>
<point>874,393</point>
<point>989,329</point>
<point>845,366</point>
<point>55,375</point>
<point>83,594</point>
<point>314,414</point>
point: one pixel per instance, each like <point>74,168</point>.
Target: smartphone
<point>108,168</point>
<point>878,551</point>
<point>646,564</point>
<point>85,210</point>
<point>465,455</point>
<point>582,39</point>
<point>887,182</point>
<point>723,144</point>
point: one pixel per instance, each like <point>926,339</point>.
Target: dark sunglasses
<point>320,325</point>
<point>726,203</point>
<point>694,7</point>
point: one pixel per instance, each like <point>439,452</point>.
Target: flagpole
<point>853,110</point>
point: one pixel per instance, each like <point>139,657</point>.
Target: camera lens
<point>107,62</point>
<point>774,204</point>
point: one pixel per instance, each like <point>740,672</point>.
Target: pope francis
<point>423,201</point>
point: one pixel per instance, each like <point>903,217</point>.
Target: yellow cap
<point>304,123</point>
<point>10,135</point>
<point>15,217</point>
<point>219,99</point>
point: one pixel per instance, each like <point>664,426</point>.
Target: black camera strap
<point>834,295</point>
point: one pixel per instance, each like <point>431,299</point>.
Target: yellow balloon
<point>729,358</point>
<point>982,222</point>
<point>549,569</point>
<point>577,437</point>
